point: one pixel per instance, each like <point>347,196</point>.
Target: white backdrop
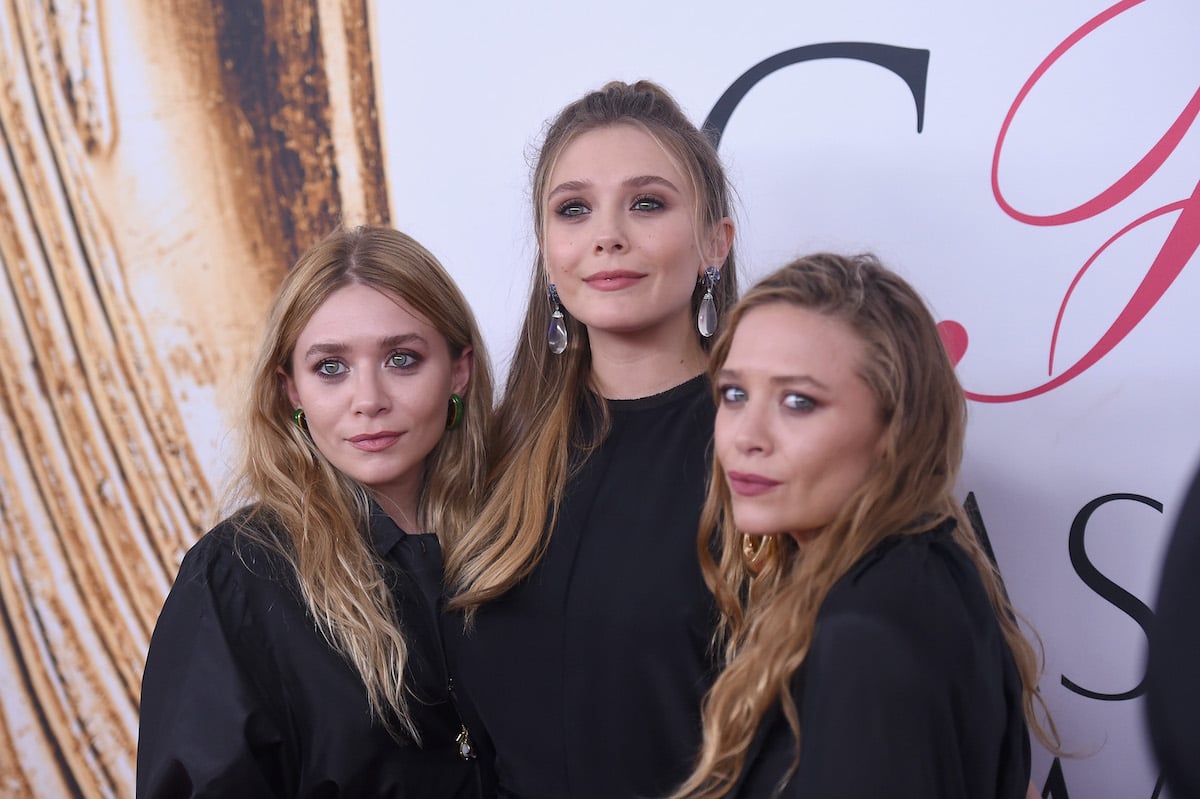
<point>827,155</point>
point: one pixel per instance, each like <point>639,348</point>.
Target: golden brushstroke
<point>162,165</point>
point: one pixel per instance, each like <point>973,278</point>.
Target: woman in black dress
<point>588,623</point>
<point>871,650</point>
<point>299,652</point>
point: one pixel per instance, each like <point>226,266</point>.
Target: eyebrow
<point>733,374</point>
<point>337,348</point>
<point>637,182</point>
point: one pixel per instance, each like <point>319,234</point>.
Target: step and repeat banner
<point>1031,167</point>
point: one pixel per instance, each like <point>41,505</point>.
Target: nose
<point>610,234</point>
<point>370,398</point>
<point>752,431</point>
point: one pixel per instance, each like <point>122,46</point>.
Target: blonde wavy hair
<point>314,516</point>
<point>768,619</point>
<point>537,421</point>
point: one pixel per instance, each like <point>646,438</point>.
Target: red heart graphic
<point>954,339</point>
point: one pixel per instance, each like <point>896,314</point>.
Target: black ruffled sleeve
<point>206,726</point>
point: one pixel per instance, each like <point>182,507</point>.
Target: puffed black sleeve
<point>908,690</point>
<point>206,728</point>
<point>878,722</point>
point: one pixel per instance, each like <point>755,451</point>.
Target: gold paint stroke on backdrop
<point>162,166</point>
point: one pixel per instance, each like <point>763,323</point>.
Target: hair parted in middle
<point>537,416</point>
<point>321,513</point>
<point>768,616</point>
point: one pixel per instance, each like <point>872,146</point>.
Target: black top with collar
<point>589,673</point>
<point>242,696</point>
<point>909,690</point>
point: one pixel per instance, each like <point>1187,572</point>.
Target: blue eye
<point>572,208</point>
<point>402,360</point>
<point>330,368</point>
<point>798,402</point>
<point>731,394</point>
<point>647,204</point>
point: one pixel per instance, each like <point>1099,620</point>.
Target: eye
<point>402,360</point>
<point>572,208</point>
<point>330,368</point>
<point>798,402</point>
<point>646,204</point>
<point>732,394</point>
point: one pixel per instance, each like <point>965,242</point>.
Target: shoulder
<point>915,598</point>
<point>239,552</point>
<point>905,572</point>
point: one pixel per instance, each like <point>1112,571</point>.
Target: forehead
<point>785,339</point>
<point>616,152</point>
<point>360,311</point>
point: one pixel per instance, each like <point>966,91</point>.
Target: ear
<point>720,242</point>
<point>460,371</point>
<point>289,385</point>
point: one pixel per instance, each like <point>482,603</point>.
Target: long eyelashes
<point>792,401</point>
<point>403,360</point>
<point>647,203</point>
<point>731,394</point>
<point>331,368</point>
<point>576,207</point>
<point>572,208</point>
<point>799,402</point>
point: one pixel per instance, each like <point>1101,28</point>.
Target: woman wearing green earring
<point>298,653</point>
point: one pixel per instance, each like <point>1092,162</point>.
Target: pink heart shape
<point>954,339</point>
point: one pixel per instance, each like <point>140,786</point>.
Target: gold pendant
<point>466,750</point>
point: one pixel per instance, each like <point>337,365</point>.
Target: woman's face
<point>620,236</point>
<point>797,428</point>
<point>374,377</point>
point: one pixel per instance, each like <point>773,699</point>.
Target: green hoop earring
<point>454,412</point>
<point>299,419</point>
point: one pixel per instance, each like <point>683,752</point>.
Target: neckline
<point>688,387</point>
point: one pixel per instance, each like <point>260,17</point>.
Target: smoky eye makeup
<point>571,208</point>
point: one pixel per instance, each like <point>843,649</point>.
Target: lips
<point>374,442</point>
<point>613,279</point>
<point>749,485</point>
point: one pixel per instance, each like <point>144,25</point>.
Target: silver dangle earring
<point>556,336</point>
<point>706,319</point>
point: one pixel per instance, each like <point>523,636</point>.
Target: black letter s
<point>1106,588</point>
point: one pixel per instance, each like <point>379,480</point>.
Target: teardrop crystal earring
<point>556,336</point>
<point>706,319</point>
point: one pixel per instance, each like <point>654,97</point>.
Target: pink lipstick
<point>749,485</point>
<point>375,442</point>
<point>613,279</point>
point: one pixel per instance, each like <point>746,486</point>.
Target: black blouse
<point>909,690</point>
<point>242,696</point>
<point>589,673</point>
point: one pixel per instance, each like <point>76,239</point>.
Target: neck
<point>635,366</point>
<point>401,509</point>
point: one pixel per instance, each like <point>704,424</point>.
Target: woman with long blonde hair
<point>299,653</point>
<point>587,621</point>
<point>870,647</point>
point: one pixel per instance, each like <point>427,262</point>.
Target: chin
<point>750,525</point>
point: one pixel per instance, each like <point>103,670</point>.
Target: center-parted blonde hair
<point>537,418</point>
<point>315,516</point>
<point>768,620</point>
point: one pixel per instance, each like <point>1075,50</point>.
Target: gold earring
<point>756,550</point>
